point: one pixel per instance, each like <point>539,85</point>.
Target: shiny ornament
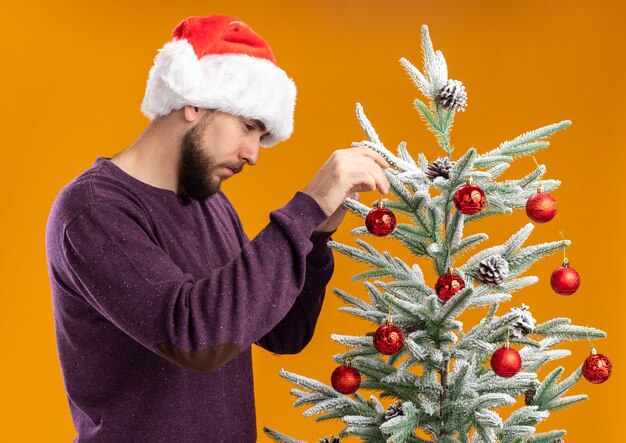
<point>447,285</point>
<point>565,280</point>
<point>380,221</point>
<point>388,339</point>
<point>345,379</point>
<point>469,199</point>
<point>506,361</point>
<point>541,207</point>
<point>597,368</point>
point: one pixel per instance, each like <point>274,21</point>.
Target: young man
<point>158,294</point>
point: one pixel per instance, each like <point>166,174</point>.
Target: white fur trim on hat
<point>237,84</point>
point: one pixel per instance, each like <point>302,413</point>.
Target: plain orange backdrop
<point>73,76</point>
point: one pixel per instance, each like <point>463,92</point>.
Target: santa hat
<point>218,62</point>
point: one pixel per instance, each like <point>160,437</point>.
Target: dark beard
<point>196,179</point>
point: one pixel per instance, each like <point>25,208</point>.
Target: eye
<point>249,126</point>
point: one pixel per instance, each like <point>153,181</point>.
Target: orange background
<point>73,76</point>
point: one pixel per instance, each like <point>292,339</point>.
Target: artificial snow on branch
<point>443,381</point>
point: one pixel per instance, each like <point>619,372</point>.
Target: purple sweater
<point>157,301</point>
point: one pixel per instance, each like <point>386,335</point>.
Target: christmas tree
<point>447,382</point>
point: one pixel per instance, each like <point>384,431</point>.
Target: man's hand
<point>345,173</point>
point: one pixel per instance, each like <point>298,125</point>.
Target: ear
<point>191,113</point>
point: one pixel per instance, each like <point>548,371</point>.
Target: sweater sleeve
<point>197,323</point>
<point>295,331</point>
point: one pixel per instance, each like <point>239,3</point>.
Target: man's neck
<point>154,157</point>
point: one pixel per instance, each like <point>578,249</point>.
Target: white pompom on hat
<point>218,62</point>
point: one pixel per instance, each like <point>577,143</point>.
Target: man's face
<point>214,149</point>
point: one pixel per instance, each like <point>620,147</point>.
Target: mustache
<point>235,168</point>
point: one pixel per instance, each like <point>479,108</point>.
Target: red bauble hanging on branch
<point>506,361</point>
<point>597,368</point>
<point>380,221</point>
<point>448,284</point>
<point>469,199</point>
<point>345,379</point>
<point>565,280</point>
<point>541,207</point>
<point>388,339</point>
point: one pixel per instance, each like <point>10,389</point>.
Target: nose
<point>249,152</point>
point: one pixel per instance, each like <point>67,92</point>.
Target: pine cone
<point>331,439</point>
<point>525,324</point>
<point>452,96</point>
<point>529,397</point>
<point>394,410</point>
<point>558,440</point>
<point>493,270</point>
<point>439,168</point>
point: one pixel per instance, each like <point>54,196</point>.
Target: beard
<point>197,180</point>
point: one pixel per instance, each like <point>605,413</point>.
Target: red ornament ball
<point>447,285</point>
<point>380,221</point>
<point>345,379</point>
<point>388,339</point>
<point>541,207</point>
<point>469,199</point>
<point>565,280</point>
<point>597,368</point>
<point>506,361</point>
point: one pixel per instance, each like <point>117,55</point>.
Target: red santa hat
<point>218,62</point>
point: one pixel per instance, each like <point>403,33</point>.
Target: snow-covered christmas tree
<point>447,382</point>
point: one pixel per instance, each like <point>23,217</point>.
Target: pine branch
<point>546,437</point>
<point>279,437</point>
<point>352,340</point>
<point>454,306</point>
<point>547,389</point>
<point>399,428</point>
<point>306,397</point>
<point>513,244</point>
<point>366,125</point>
<point>392,159</point>
<point>356,207</point>
<point>489,161</point>
<point>564,402</point>
<point>430,64</point>
<point>428,117</point>
<point>468,243</point>
<point>454,230</point>
<point>533,359</point>
<point>309,383</point>
<point>573,332</point>
<point>418,78</point>
<point>490,401</point>
<point>403,153</point>
<point>519,145</point>
<point>354,301</point>
<point>330,404</point>
<point>525,258</point>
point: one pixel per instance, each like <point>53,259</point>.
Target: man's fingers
<point>368,176</point>
<point>381,182</point>
<point>379,159</point>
